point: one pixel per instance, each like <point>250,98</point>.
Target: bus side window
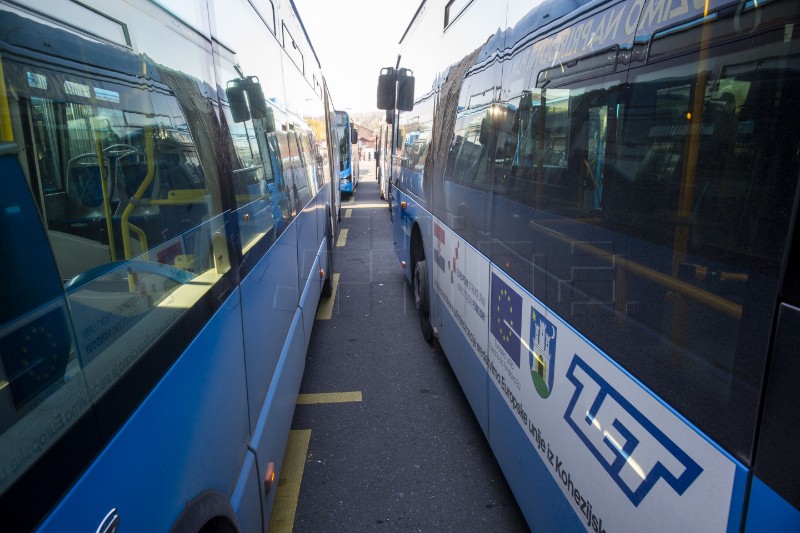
<point>301,169</point>
<point>126,179</point>
<point>39,374</point>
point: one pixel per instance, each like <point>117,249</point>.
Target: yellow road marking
<point>348,213</point>
<point>325,308</point>
<point>370,206</point>
<point>342,238</point>
<point>329,397</point>
<point>294,462</point>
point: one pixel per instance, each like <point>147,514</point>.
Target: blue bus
<point>168,222</point>
<point>348,152</point>
<point>596,203</point>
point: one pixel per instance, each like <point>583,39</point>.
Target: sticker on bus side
<point>623,460</point>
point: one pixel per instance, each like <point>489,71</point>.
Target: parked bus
<point>167,224</point>
<point>348,152</point>
<point>596,205</point>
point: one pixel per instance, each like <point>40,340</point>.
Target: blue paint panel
<point>270,296</point>
<point>309,301</point>
<point>466,365</point>
<point>539,496</point>
<point>246,497</point>
<point>323,200</point>
<point>206,384</point>
<point>323,259</point>
<point>272,427</point>
<point>307,243</point>
<point>768,511</point>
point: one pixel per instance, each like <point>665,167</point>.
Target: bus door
<point>707,121</point>
<point>774,501</point>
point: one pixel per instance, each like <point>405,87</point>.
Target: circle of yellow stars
<point>506,335</point>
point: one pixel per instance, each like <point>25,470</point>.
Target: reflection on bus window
<point>681,181</point>
<point>122,166</point>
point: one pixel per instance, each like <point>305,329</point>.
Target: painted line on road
<point>325,308</point>
<point>348,213</point>
<point>329,397</point>
<point>370,206</point>
<point>294,463</point>
<point>342,240</point>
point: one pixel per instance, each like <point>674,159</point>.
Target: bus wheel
<point>421,299</point>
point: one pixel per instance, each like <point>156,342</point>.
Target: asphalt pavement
<point>383,438</point>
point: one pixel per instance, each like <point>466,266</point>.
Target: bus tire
<point>421,301</point>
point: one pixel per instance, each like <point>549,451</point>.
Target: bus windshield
<point>344,139</point>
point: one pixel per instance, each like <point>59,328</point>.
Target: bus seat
<point>131,175</point>
<point>84,188</point>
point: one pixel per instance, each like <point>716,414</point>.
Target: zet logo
<point>635,453</point>
<point>542,353</point>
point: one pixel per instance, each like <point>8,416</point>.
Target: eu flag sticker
<point>542,353</point>
<point>507,317</point>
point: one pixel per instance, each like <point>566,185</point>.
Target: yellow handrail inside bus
<point>98,145</point>
<point>148,179</point>
<point>681,287</point>
<point>6,133</point>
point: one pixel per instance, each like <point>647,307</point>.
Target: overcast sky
<point>354,39</point>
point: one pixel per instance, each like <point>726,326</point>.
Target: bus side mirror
<point>255,97</point>
<point>237,101</point>
<point>389,116</point>
<point>386,88</point>
<point>353,136</point>
<point>246,100</point>
<point>405,90</point>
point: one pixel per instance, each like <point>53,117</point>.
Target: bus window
<point>40,380</point>
<point>254,167</point>
<point>309,160</point>
<point>128,189</point>
<point>471,158</point>
<point>290,169</point>
<point>412,148</point>
<point>668,173</point>
<point>301,183</point>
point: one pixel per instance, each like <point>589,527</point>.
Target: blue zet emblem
<point>506,317</point>
<point>634,452</point>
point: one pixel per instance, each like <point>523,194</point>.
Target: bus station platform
<point>383,437</point>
